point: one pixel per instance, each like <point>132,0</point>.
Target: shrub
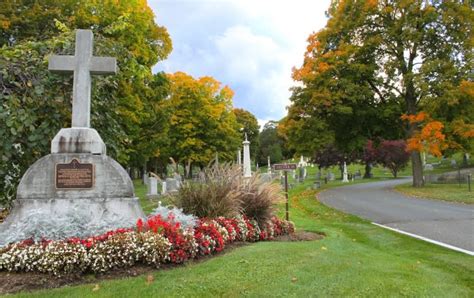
<point>393,155</point>
<point>213,197</point>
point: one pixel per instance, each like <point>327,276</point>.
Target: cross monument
<point>82,65</point>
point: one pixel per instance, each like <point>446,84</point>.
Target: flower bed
<point>153,241</point>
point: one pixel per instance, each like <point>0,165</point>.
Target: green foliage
<point>248,124</point>
<point>31,111</point>
<point>270,144</point>
<point>201,120</point>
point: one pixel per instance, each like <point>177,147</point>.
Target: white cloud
<point>249,45</point>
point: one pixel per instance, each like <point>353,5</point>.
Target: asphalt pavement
<point>448,223</point>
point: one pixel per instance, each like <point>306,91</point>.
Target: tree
<point>248,124</point>
<point>202,122</point>
<point>271,145</point>
<point>400,53</point>
<point>330,156</point>
<point>370,158</point>
<point>393,155</point>
<point>35,104</point>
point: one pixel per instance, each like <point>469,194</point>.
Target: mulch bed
<point>14,282</point>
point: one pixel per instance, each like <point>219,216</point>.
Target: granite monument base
<point>71,195</point>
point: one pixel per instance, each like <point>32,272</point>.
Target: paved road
<point>446,222</point>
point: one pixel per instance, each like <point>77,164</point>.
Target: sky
<point>251,46</point>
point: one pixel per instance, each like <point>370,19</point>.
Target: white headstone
<point>145,179</point>
<point>247,167</point>
<point>453,163</point>
<point>302,162</point>
<point>172,185</point>
<point>344,174</point>
<point>152,186</point>
<point>163,188</point>
<point>239,157</point>
<point>331,176</point>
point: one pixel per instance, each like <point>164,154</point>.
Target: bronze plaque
<point>74,175</point>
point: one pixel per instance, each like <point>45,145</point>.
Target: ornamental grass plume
<point>224,192</point>
<point>214,196</point>
<point>258,198</point>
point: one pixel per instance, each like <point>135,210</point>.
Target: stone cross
<point>82,65</point>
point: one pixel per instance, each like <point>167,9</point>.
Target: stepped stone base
<point>42,210</point>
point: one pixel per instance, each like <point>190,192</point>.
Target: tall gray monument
<point>77,190</point>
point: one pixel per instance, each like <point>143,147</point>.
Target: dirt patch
<point>301,236</point>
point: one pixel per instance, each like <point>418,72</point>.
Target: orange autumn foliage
<point>462,129</point>
<point>430,138</point>
<point>415,118</point>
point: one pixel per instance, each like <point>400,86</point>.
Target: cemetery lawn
<point>446,192</point>
<point>355,258</point>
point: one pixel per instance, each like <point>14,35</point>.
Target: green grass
<point>147,204</point>
<point>355,259</point>
<point>447,192</point>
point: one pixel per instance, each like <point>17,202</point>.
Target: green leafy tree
<point>389,56</point>
<point>271,145</point>
<point>202,122</point>
<point>248,124</point>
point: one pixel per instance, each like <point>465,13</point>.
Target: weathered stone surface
<point>64,218</point>
<point>83,64</point>
<point>42,210</point>
<point>111,180</point>
<point>172,185</point>
<point>266,178</point>
<point>78,140</point>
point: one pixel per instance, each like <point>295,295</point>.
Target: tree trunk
<point>416,162</point>
<point>189,169</point>
<point>368,169</point>
<point>417,169</point>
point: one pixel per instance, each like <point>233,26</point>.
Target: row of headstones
<point>168,186</point>
<point>431,166</point>
<point>330,176</point>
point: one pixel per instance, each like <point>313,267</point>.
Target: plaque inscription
<point>74,175</point>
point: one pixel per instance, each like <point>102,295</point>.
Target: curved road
<point>449,223</point>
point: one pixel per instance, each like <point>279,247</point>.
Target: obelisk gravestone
<point>77,190</point>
